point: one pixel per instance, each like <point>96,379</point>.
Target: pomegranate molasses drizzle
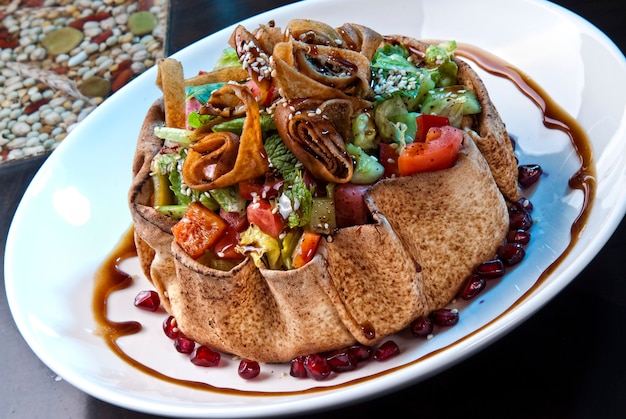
<point>110,277</point>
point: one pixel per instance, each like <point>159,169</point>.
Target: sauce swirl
<point>110,278</point>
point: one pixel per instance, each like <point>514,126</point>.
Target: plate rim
<point>504,324</point>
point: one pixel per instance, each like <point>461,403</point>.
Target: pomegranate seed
<point>519,220</point>
<point>147,300</point>
<point>297,367</point>
<point>473,286</point>
<point>528,174</point>
<point>421,327</point>
<point>170,328</point>
<point>511,253</point>
<point>445,317</point>
<point>206,357</point>
<point>386,350</point>
<point>361,352</point>
<point>490,269</point>
<point>248,369</point>
<point>518,236</point>
<point>342,361</point>
<point>317,367</point>
<point>524,204</point>
<point>184,345</point>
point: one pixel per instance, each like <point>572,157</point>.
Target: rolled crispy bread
<point>429,231</point>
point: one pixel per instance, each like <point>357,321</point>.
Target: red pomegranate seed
<point>361,352</point>
<point>524,204</point>
<point>519,220</point>
<point>147,300</point>
<point>445,317</point>
<point>422,327</point>
<point>528,174</point>
<point>518,236</point>
<point>387,350</point>
<point>184,345</point>
<point>473,286</point>
<point>206,357</point>
<point>297,367</point>
<point>511,253</point>
<point>342,361</point>
<point>490,269</point>
<point>248,369</point>
<point>317,367</point>
<point>170,328</point>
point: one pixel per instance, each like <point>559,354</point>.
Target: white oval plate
<point>74,213</point>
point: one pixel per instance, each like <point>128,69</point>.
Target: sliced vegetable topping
<point>284,166</point>
<point>198,230</point>
<point>439,151</point>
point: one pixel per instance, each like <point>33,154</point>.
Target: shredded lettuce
<point>439,58</point>
<point>394,122</point>
<point>202,93</point>
<point>228,58</point>
<point>262,248</point>
<point>453,102</point>
<point>394,74</point>
<point>289,243</point>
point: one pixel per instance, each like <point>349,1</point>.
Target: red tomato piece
<point>263,97</point>
<point>350,207</point>
<point>440,151</point>
<point>259,188</point>
<point>237,221</point>
<point>425,122</point>
<point>225,247</point>
<point>305,249</point>
<point>388,158</point>
<point>261,214</point>
<point>198,230</point>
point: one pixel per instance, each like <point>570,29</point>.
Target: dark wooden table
<point>567,361</point>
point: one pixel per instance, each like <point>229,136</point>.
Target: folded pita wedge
<point>428,232</point>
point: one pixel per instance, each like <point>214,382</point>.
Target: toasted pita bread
<point>366,282</point>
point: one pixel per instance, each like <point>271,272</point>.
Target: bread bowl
<point>424,235</point>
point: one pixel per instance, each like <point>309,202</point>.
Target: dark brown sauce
<point>110,278</point>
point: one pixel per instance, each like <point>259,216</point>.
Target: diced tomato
<point>388,158</point>
<point>237,221</point>
<point>225,247</point>
<point>198,230</point>
<point>264,97</point>
<point>260,188</point>
<point>350,207</point>
<point>305,249</point>
<point>439,151</point>
<point>260,213</point>
<point>425,122</point>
